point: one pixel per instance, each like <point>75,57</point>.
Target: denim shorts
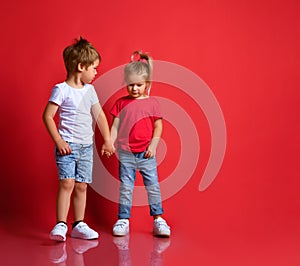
<point>78,165</point>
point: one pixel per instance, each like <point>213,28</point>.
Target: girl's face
<point>89,73</point>
<point>137,86</point>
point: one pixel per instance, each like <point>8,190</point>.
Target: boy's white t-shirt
<point>75,118</point>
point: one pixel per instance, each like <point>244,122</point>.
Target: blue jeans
<point>128,165</point>
<point>78,165</point>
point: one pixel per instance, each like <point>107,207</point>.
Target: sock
<point>61,222</point>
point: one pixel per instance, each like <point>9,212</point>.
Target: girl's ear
<point>80,67</point>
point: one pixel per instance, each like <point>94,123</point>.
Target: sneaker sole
<point>120,234</point>
<point>85,238</point>
<point>161,234</point>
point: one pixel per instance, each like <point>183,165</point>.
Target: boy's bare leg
<point>66,187</point>
<point>79,228</point>
<point>79,201</point>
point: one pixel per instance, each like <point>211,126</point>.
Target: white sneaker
<point>59,232</point>
<point>121,227</point>
<point>161,228</point>
<point>83,231</point>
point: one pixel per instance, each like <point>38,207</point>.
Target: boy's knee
<point>80,187</point>
<point>67,184</point>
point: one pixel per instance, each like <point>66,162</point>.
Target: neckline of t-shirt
<point>145,98</point>
<point>76,89</point>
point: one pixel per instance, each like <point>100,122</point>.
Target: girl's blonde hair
<point>141,64</point>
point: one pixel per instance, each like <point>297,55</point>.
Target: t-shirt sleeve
<point>56,96</point>
<point>115,110</point>
<point>156,110</point>
<point>94,96</point>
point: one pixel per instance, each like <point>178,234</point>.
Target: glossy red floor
<point>206,246</point>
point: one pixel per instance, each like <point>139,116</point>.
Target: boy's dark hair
<point>80,52</point>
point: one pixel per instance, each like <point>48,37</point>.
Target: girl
<point>137,127</point>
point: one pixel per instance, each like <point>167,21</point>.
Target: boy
<point>75,100</point>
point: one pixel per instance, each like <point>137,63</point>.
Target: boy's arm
<point>107,147</point>
<point>151,150</point>
<point>48,118</point>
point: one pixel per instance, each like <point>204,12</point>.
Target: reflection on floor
<point>59,254</point>
<point>26,248</point>
<point>30,246</point>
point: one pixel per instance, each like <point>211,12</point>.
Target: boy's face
<point>89,73</point>
<point>136,86</point>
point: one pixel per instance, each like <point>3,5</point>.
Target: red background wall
<point>246,51</point>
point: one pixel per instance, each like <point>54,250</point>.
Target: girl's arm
<point>107,147</point>
<point>48,118</point>
<point>114,129</point>
<point>151,150</point>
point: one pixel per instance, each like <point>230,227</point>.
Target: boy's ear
<point>80,67</point>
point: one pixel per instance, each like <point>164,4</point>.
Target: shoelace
<point>62,225</point>
<point>83,225</point>
<point>121,224</point>
<point>162,225</point>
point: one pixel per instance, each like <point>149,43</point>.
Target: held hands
<point>64,149</point>
<point>108,149</point>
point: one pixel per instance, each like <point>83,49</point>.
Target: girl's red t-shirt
<point>137,117</point>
